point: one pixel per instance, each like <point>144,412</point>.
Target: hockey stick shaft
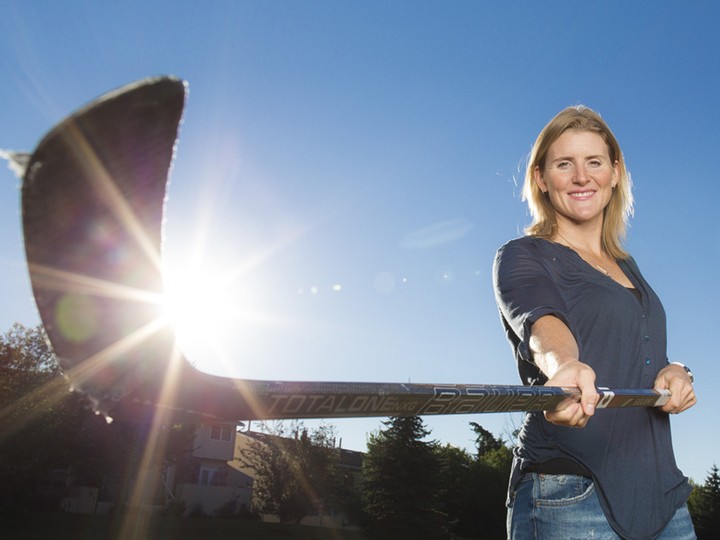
<point>286,400</point>
<point>238,399</point>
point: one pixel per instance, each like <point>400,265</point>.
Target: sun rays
<point>93,215</point>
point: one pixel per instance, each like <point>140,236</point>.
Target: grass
<point>94,527</point>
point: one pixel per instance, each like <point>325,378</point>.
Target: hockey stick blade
<point>92,203</point>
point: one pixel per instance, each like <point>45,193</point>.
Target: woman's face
<point>578,177</point>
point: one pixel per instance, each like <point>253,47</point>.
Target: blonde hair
<point>619,209</point>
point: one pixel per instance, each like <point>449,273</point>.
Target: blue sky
<point>346,170</point>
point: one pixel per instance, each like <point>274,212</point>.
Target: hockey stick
<point>92,205</point>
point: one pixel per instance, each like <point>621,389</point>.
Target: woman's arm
<point>556,353</point>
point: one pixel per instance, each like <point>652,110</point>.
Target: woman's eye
<point>595,163</point>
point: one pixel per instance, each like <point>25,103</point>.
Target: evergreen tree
<point>490,472</point>
<point>459,490</point>
<point>493,473</point>
<point>704,506</point>
<point>401,482</point>
<point>484,440</point>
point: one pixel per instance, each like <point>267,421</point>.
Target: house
<point>202,482</point>
<point>210,479</point>
<point>218,487</point>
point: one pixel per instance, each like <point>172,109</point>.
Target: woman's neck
<point>582,238</point>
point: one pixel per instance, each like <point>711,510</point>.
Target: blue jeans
<point>566,507</point>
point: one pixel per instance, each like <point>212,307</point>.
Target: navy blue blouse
<point>628,451</point>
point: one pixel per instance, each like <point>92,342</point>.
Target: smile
<point>581,194</point>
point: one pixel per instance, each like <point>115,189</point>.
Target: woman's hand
<point>571,412</point>
<point>556,354</point>
<point>675,378</point>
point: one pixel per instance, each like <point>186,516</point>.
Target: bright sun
<point>198,305</point>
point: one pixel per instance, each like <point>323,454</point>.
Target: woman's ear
<point>616,174</point>
<point>537,175</point>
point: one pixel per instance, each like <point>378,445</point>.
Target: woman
<point>578,312</point>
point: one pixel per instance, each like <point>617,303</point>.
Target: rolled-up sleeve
<point>525,291</point>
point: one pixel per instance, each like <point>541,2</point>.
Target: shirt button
<point>646,338</point>
<point>647,361</point>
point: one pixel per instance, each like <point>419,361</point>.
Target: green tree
<point>29,390</point>
<point>484,514</point>
<point>295,471</point>
<point>484,440</point>
<point>493,472</point>
<point>458,492</point>
<point>401,482</point>
<point>45,426</point>
<point>704,505</point>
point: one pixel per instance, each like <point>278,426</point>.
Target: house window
<point>220,433</point>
